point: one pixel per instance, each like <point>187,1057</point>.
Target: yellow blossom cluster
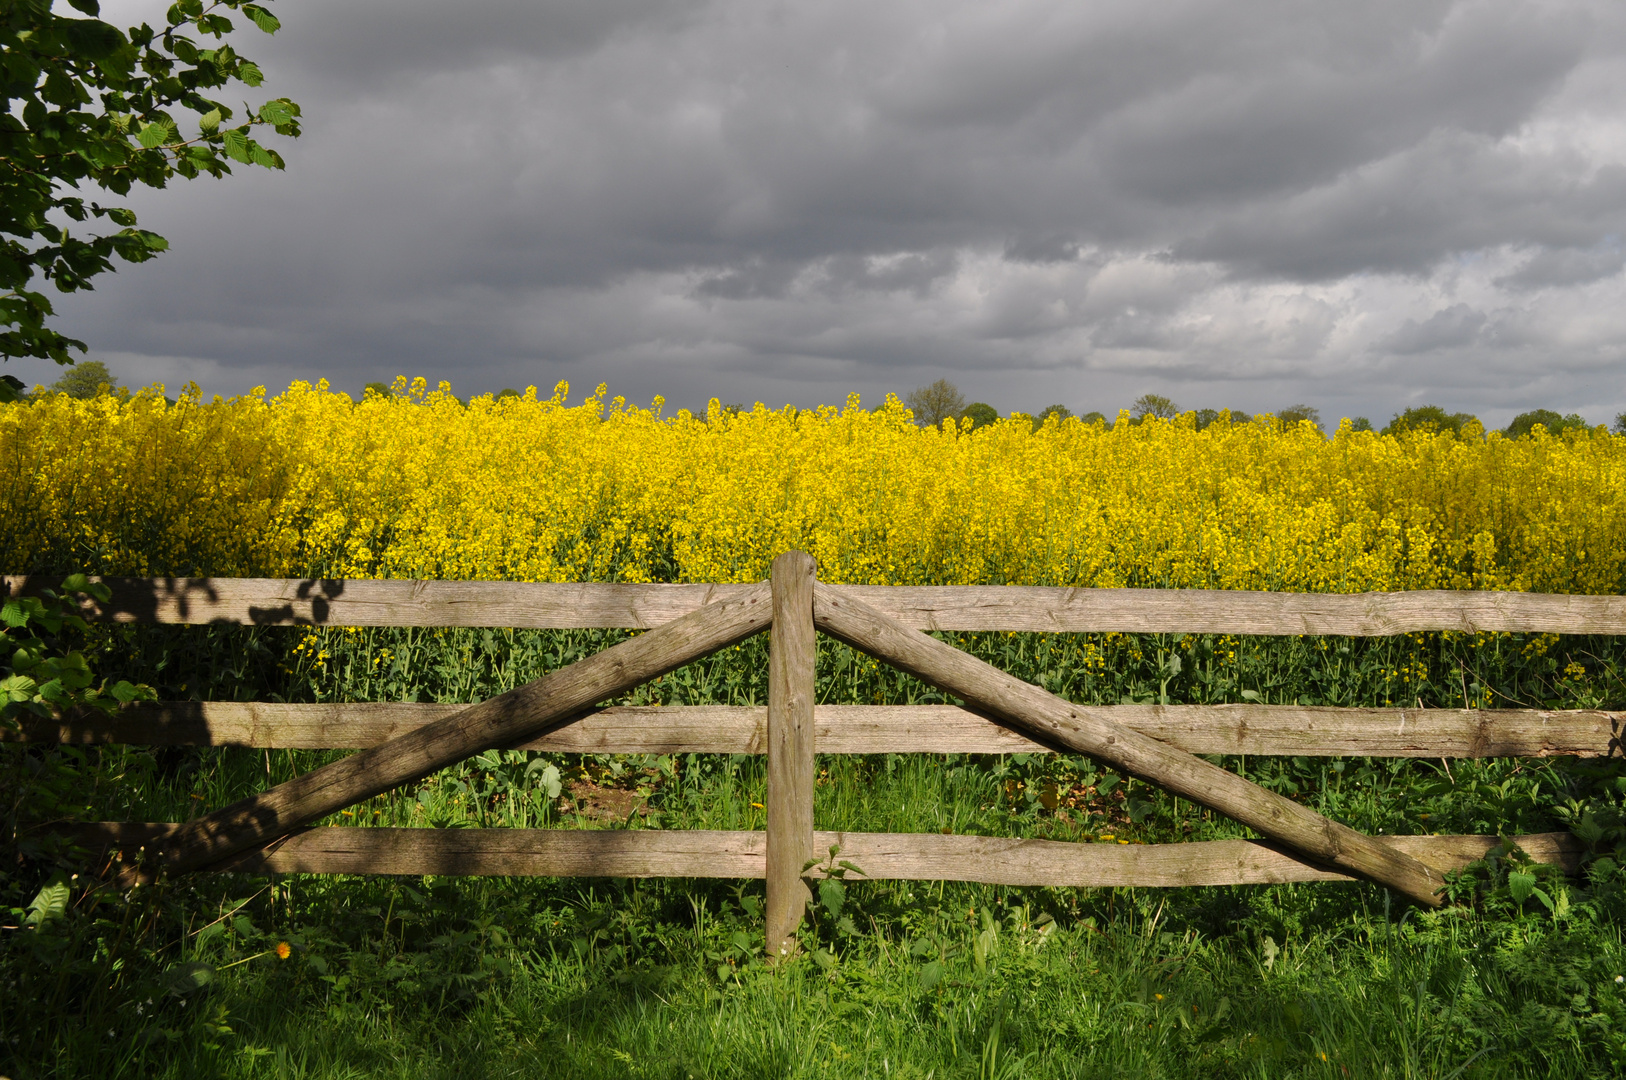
<point>416,483</point>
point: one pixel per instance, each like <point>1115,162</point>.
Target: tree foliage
<point>87,105</point>
<point>1060,412</point>
<point>935,402</point>
<point>980,413</point>
<point>1154,405</point>
<point>1205,417</point>
<point>1555,423</point>
<point>1294,415</point>
<point>1429,418</point>
<point>85,380</point>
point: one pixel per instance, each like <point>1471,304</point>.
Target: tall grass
<point>663,978</point>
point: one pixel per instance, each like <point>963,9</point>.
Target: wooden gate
<point>400,743</point>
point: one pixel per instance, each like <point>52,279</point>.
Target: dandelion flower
<point>282,950</point>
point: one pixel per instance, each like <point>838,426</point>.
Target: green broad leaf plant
<point>39,675</point>
<point>85,105</point>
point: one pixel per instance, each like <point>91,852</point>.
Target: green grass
<point>547,977</point>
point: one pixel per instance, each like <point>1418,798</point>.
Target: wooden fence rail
<point>995,860</point>
<point>544,605</point>
<point>1280,730</point>
<point>265,834</point>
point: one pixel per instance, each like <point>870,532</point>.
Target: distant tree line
<point>942,400</point>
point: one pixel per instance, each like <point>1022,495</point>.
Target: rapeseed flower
<point>417,484</point>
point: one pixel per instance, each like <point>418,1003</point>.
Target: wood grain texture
<point>1212,611</point>
<point>791,653</point>
<point>1284,730</point>
<point>542,605</point>
<point>1052,720</point>
<point>519,714</point>
<point>905,856</point>
<point>313,602</point>
<point>1005,861</point>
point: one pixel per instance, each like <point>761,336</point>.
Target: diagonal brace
<point>1054,720</point>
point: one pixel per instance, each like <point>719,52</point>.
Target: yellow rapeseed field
<point>417,484</point>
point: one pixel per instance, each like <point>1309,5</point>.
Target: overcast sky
<point>1360,206</point>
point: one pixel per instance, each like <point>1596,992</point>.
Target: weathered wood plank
<point>519,714</point>
<point>1004,861</point>
<point>1284,730</point>
<point>547,605</point>
<point>791,654</point>
<point>1053,720</point>
<point>1210,611</point>
<point>312,602</point>
<point>905,856</point>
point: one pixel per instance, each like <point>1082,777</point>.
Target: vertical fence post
<point>790,747</point>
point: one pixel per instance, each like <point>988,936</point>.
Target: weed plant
<point>231,975</point>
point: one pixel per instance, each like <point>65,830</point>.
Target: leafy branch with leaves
<point>85,105</point>
<point>39,673</point>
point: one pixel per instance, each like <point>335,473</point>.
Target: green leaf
<point>50,904</point>
<point>250,73</point>
<point>930,975</point>
<point>209,122</point>
<point>276,112</point>
<point>92,38</point>
<point>262,18</point>
<point>1521,886</point>
<point>832,895</point>
<point>126,692</point>
<point>154,134</point>
<point>187,978</point>
<point>236,145</point>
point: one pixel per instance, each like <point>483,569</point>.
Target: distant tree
<point>1093,417</point>
<point>1206,417</point>
<point>84,380</point>
<point>1060,412</point>
<point>1429,418</point>
<point>1360,423</point>
<point>509,392</point>
<point>375,388</point>
<point>1620,424</point>
<point>1294,415</point>
<point>1154,405</point>
<point>1553,422</point>
<point>980,414</point>
<point>935,402</point>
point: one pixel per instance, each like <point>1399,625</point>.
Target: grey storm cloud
<point>1457,325</point>
<point>1251,202</point>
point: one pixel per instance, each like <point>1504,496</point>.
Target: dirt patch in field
<point>589,800</point>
